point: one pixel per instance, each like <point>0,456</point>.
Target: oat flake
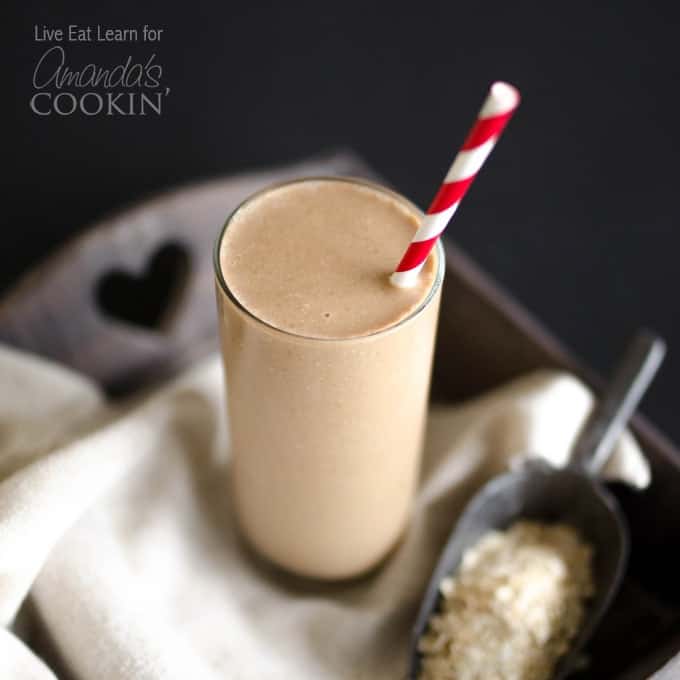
<point>512,608</point>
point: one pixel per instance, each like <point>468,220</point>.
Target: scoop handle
<point>608,419</point>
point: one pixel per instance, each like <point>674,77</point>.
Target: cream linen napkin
<point>118,543</point>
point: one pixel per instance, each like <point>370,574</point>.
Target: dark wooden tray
<point>131,302</point>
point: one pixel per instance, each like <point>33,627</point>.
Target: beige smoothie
<point>327,371</point>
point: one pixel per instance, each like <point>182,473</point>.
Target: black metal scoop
<point>572,495</point>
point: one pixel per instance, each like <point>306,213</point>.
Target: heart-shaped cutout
<point>151,299</point>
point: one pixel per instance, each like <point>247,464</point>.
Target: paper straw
<point>496,111</point>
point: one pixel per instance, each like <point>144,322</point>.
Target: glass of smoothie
<point>327,370</point>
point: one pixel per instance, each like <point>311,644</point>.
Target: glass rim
<point>219,275</point>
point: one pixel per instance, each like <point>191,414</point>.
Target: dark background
<point>576,214</point>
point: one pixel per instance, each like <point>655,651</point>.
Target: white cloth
<point>117,536</point>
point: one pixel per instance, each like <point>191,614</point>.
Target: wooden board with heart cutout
<point>131,301</point>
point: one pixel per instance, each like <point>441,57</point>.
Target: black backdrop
<point>577,214</point>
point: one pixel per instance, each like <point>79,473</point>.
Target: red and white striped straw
<point>496,111</point>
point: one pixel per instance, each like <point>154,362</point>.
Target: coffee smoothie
<point>327,371</point>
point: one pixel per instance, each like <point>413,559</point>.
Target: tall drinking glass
<point>326,432</point>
